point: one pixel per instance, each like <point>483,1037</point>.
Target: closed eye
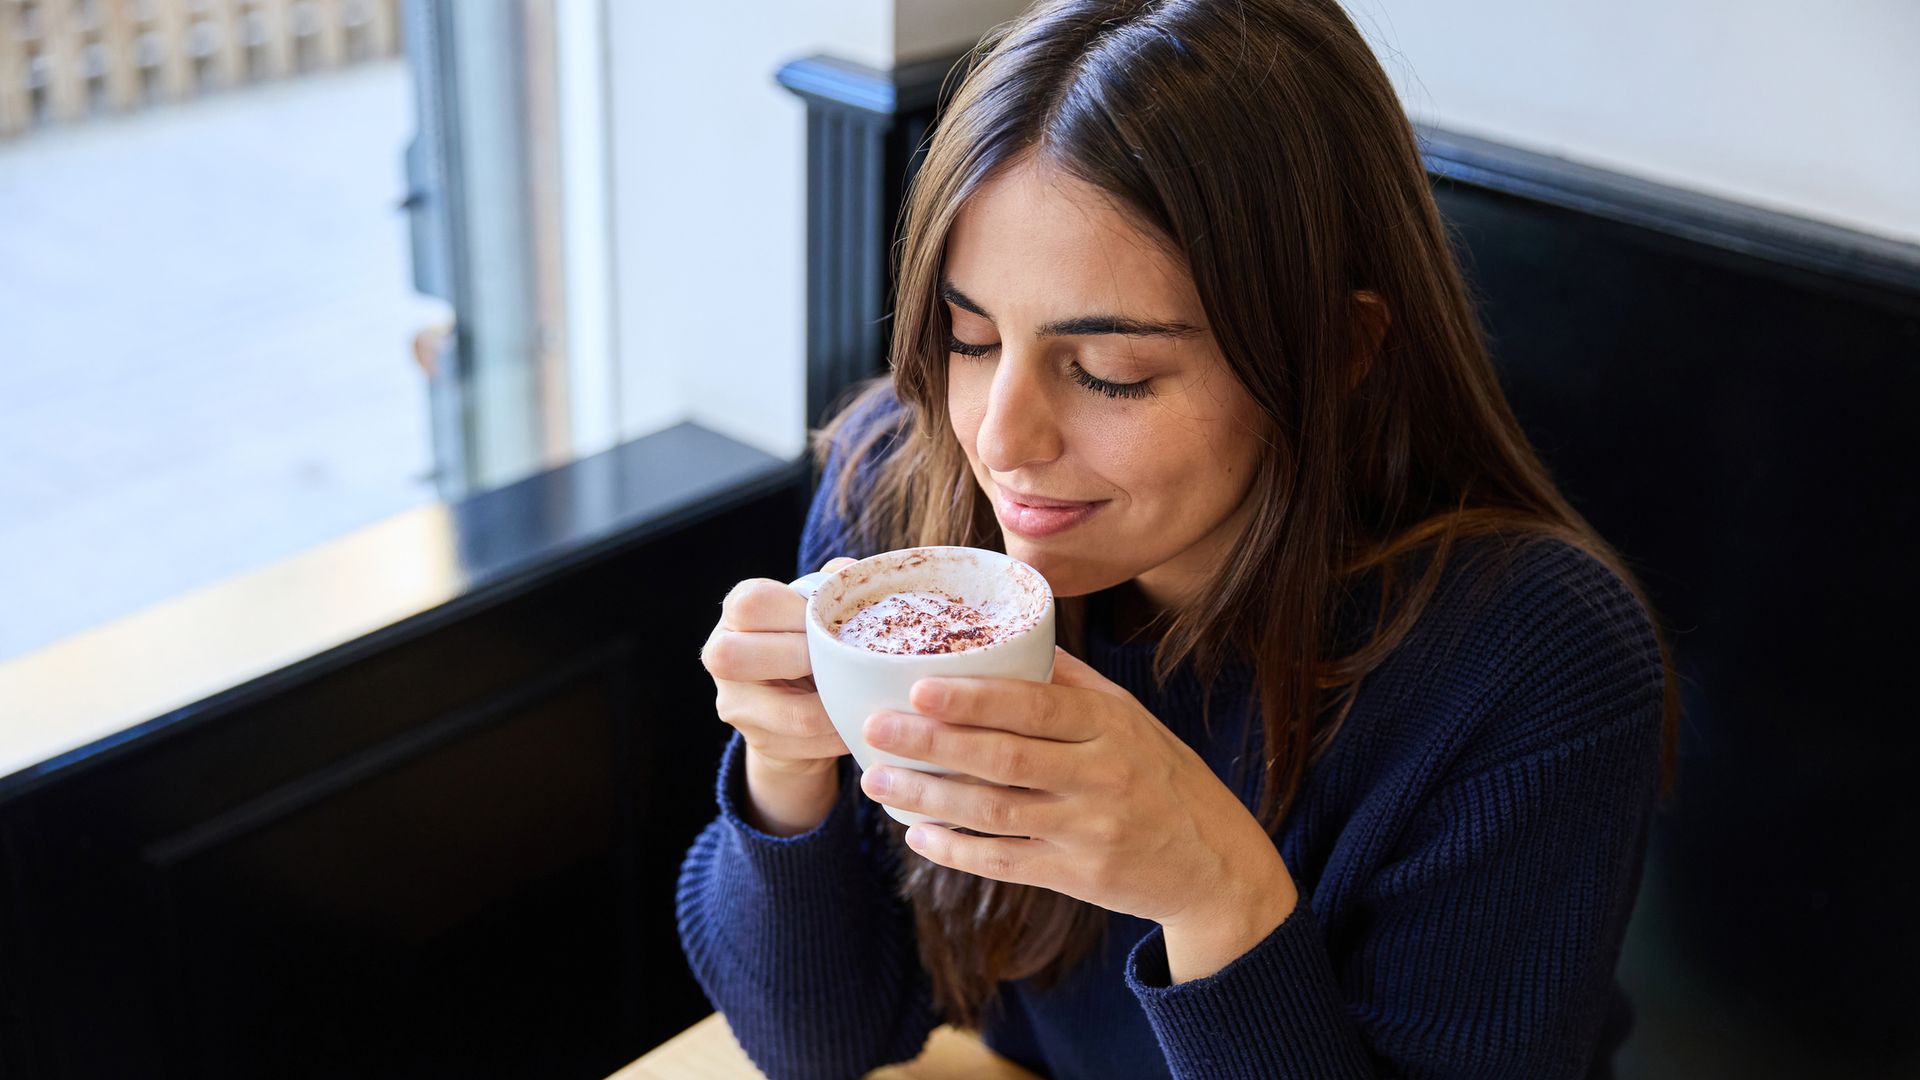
<point>955,345</point>
<point>1111,389</point>
<point>1075,372</point>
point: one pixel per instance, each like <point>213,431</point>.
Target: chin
<point>1067,573</point>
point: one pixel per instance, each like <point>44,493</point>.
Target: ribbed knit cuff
<point>1275,1011</point>
<point>795,939</point>
<point>759,888</point>
<point>731,793</point>
<point>818,875</point>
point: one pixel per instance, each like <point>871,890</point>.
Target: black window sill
<point>104,690</point>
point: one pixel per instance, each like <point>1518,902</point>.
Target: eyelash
<point>1076,373</point>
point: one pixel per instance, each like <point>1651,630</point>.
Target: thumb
<point>835,564</point>
<point>1070,670</point>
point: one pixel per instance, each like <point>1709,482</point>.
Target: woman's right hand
<point>757,655</point>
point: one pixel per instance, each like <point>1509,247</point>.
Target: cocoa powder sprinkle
<point>923,623</point>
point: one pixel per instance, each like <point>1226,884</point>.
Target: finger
<point>772,709</point>
<point>1022,862</point>
<point>835,564</point>
<point>1024,707</point>
<point>756,657</point>
<point>995,756</point>
<point>986,808</point>
<point>763,604</point>
<point>794,748</point>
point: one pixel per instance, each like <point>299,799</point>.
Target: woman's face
<point>1094,406</point>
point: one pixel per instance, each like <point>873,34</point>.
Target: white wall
<point>709,211</point>
<point>923,29</point>
<point>709,230</point>
<point>1812,109</point>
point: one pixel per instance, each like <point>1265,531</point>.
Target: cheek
<point>1125,456</point>
<point>966,405</point>
<point>1184,472</point>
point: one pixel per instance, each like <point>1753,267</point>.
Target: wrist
<point>802,769</point>
<point>786,798</point>
<point>1237,915</point>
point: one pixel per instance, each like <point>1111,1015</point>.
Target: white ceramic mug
<point>855,682</point>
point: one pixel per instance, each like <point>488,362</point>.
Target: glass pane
<point>207,321</point>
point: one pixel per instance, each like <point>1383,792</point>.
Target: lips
<point>1037,516</point>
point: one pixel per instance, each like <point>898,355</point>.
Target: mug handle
<point>810,584</point>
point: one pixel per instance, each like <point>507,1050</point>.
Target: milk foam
<point>923,622</point>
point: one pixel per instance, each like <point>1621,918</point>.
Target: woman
<point>1347,764</point>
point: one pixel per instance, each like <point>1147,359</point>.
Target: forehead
<point>1036,242</point>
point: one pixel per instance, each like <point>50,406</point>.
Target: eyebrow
<point>1081,324</point>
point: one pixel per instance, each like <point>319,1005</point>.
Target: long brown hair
<point>1259,140</point>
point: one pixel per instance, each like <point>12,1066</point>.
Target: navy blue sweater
<point>1467,853</point>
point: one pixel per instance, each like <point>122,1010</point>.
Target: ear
<point>1371,319</point>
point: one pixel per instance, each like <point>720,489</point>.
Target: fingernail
<point>881,727</point>
<point>930,694</point>
<point>916,836</point>
<point>879,781</point>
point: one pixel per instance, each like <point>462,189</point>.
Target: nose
<point>1019,428</point>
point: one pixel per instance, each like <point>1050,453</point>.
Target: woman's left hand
<point>1119,812</point>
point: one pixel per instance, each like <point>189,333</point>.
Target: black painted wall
<point>866,135</point>
<point>1739,428</point>
<point>451,853</point>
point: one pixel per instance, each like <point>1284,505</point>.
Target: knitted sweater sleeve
<point>802,942</point>
<point>1484,944</point>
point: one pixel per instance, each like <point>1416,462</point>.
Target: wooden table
<point>707,1051</point>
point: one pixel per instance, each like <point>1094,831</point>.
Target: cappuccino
<point>882,624</point>
<point>926,622</point>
